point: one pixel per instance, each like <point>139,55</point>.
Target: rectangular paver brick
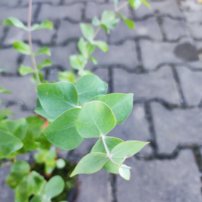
<point>22,93</point>
<point>162,181</point>
<point>94,188</point>
<point>190,82</point>
<point>71,12</point>
<point>176,127</point>
<point>119,54</point>
<point>144,28</point>
<point>159,84</point>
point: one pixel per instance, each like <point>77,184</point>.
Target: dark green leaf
<point>55,98</point>
<point>62,132</point>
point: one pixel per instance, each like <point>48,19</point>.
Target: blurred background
<point>160,62</point>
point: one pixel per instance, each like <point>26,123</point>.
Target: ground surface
<point>160,62</point>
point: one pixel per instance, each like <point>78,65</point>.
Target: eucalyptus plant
<point>75,108</point>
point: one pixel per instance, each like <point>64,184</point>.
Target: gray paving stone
<point>196,30</point>
<point>22,93</point>
<point>6,194</point>
<point>176,127</point>
<point>190,80</point>
<point>14,35</point>
<point>53,2</point>
<point>76,1</point>
<point>72,12</point>
<point>5,3</point>
<point>8,59</point>
<point>159,84</point>
<point>117,55</point>
<point>94,188</point>
<point>174,29</point>
<point>20,13</point>
<point>146,28</point>
<point>189,5</point>
<point>164,52</point>
<point>67,31</point>
<point>93,9</point>
<point>60,55</point>
<point>166,7</point>
<point>192,11</point>
<point>162,181</point>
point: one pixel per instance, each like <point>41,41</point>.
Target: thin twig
<point>33,59</point>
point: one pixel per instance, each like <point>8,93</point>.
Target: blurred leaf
<point>8,144</point>
<point>47,24</point>
<point>87,31</point>
<point>44,51</point>
<point>22,47</point>
<point>54,187</point>
<point>78,61</point>
<point>4,91</point>
<point>44,63</point>
<point>12,21</point>
<point>24,70</point>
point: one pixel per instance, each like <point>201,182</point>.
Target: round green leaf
<point>121,104</point>
<point>127,149</point>
<point>55,98</point>
<point>62,132</point>
<point>90,163</point>
<point>95,119</point>
<point>124,172</point>
<point>111,142</point>
<point>90,86</point>
<point>8,144</point>
<point>87,31</point>
<point>54,187</point>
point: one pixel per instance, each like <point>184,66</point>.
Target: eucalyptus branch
<point>33,59</point>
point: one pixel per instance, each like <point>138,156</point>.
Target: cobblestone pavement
<point>160,62</point>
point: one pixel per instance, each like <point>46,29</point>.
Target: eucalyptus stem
<point>106,147</point>
<point>109,155</point>
<point>116,10</point>
<point>33,59</point>
<point>123,5</point>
